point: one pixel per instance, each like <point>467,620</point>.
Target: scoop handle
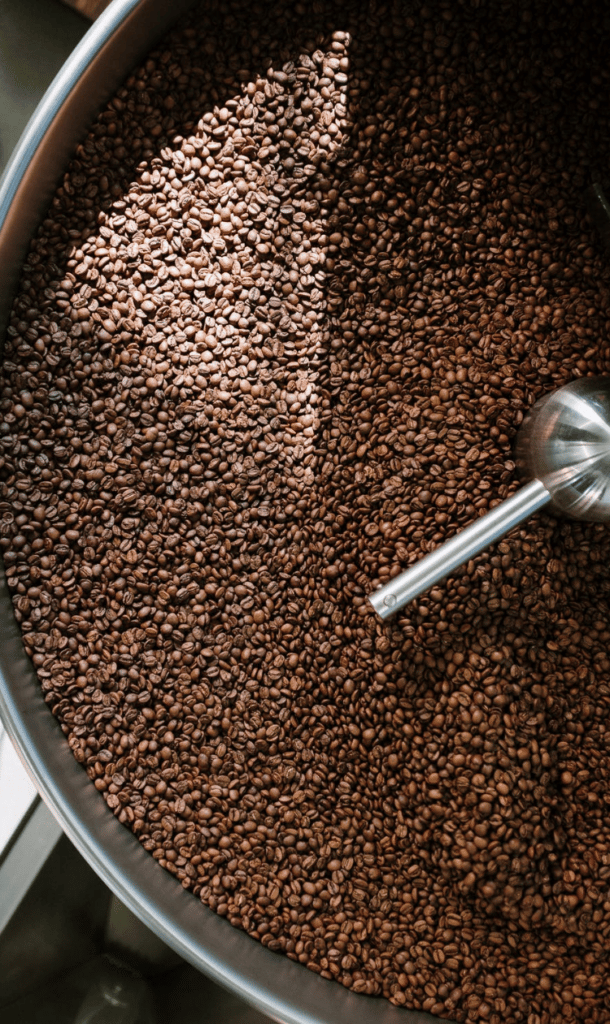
<point>465,545</point>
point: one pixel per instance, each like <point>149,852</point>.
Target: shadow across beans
<point>273,340</point>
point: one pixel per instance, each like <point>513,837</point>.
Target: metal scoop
<point>563,448</point>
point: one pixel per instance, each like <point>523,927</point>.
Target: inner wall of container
<point>116,41</point>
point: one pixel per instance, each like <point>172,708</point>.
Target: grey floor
<point>36,36</point>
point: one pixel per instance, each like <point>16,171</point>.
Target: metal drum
<point>277,986</point>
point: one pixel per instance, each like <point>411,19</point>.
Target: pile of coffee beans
<point>272,343</point>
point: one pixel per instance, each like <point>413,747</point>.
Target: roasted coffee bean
<point>272,343</point>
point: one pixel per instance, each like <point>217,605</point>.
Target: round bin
<point>284,990</point>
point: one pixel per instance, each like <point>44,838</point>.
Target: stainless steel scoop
<point>563,448</point>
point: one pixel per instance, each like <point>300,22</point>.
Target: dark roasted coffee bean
<point>298,288</point>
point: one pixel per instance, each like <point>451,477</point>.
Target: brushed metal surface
<point>285,991</point>
<point>563,448</point>
<point>565,443</point>
<point>469,542</point>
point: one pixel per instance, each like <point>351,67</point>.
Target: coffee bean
<point>273,340</point>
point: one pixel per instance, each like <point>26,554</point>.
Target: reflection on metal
<point>599,211</point>
<point>565,443</point>
<point>563,447</point>
<point>460,549</point>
